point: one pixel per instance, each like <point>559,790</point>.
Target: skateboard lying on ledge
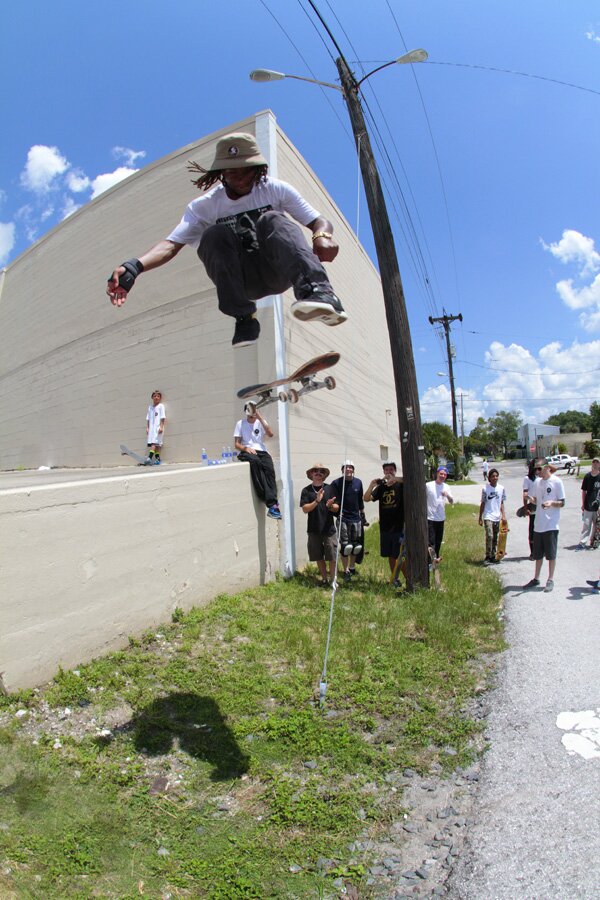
<point>141,460</point>
<point>267,393</point>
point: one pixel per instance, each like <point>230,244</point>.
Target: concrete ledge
<point>85,564</point>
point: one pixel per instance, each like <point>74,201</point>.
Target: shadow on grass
<point>196,725</point>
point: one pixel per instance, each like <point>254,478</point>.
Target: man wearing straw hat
<point>318,502</point>
<point>249,246</point>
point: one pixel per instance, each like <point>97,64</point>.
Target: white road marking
<point>583,732</point>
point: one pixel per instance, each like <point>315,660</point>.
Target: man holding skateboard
<point>548,494</point>
<point>249,435</point>
<point>491,513</point>
<point>249,246</point>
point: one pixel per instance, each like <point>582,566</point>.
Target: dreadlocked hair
<point>207,179</point>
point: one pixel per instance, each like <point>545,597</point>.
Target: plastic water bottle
<point>224,455</point>
<point>204,457</point>
<point>229,455</point>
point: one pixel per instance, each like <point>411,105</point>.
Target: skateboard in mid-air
<point>267,393</point>
<point>502,538</point>
<point>141,460</point>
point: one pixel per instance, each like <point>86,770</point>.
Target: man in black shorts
<point>389,490</point>
<point>318,502</point>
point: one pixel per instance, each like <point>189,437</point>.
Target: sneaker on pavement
<point>247,330</point>
<point>535,582</point>
<point>594,584</point>
<point>346,549</point>
<point>274,512</point>
<point>320,305</point>
<point>549,586</point>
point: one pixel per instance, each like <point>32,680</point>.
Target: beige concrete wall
<point>76,376</point>
<point>85,564</point>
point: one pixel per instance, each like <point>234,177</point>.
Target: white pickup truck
<point>563,461</point>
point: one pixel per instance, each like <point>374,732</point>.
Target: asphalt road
<point>536,829</point>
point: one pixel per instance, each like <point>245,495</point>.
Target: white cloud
<point>560,378</point>
<point>583,292</point>
<point>592,36</point>
<point>130,156</point>
<point>69,207</point>
<point>575,247</point>
<point>103,182</point>
<point>77,181</point>
<point>7,240</point>
<point>43,166</point>
<point>436,406</point>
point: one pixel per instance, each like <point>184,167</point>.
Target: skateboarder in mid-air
<point>249,247</point>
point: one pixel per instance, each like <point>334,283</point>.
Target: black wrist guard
<point>133,268</point>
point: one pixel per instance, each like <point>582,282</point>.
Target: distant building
<point>542,439</point>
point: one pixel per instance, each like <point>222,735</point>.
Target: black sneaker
<point>320,305</point>
<point>532,584</point>
<point>247,330</point>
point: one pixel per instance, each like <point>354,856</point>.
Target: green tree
<point>571,421</point>
<point>479,440</point>
<point>504,427</point>
<point>439,440</point>
<point>595,419</point>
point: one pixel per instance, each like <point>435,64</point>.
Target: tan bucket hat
<point>321,468</point>
<point>237,151</point>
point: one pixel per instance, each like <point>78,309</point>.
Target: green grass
<point>224,704</point>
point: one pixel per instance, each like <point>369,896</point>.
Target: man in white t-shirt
<point>491,512</point>
<point>249,246</point>
<point>548,494</point>
<point>249,436</point>
<point>438,494</point>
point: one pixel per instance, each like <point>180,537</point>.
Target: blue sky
<point>491,178</point>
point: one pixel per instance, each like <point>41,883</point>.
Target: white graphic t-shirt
<point>153,418</point>
<point>545,489</point>
<point>493,497</point>
<point>251,434</point>
<point>215,207</point>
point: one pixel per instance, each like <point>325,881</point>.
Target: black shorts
<point>389,543</point>
<point>545,543</point>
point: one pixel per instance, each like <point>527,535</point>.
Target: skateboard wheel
<point>282,396</point>
<point>293,395</point>
<point>329,382</point>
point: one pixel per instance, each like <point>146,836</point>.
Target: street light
<point>405,376</point>
<point>263,75</point>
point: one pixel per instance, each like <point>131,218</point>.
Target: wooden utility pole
<point>407,397</point>
<point>445,321</point>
